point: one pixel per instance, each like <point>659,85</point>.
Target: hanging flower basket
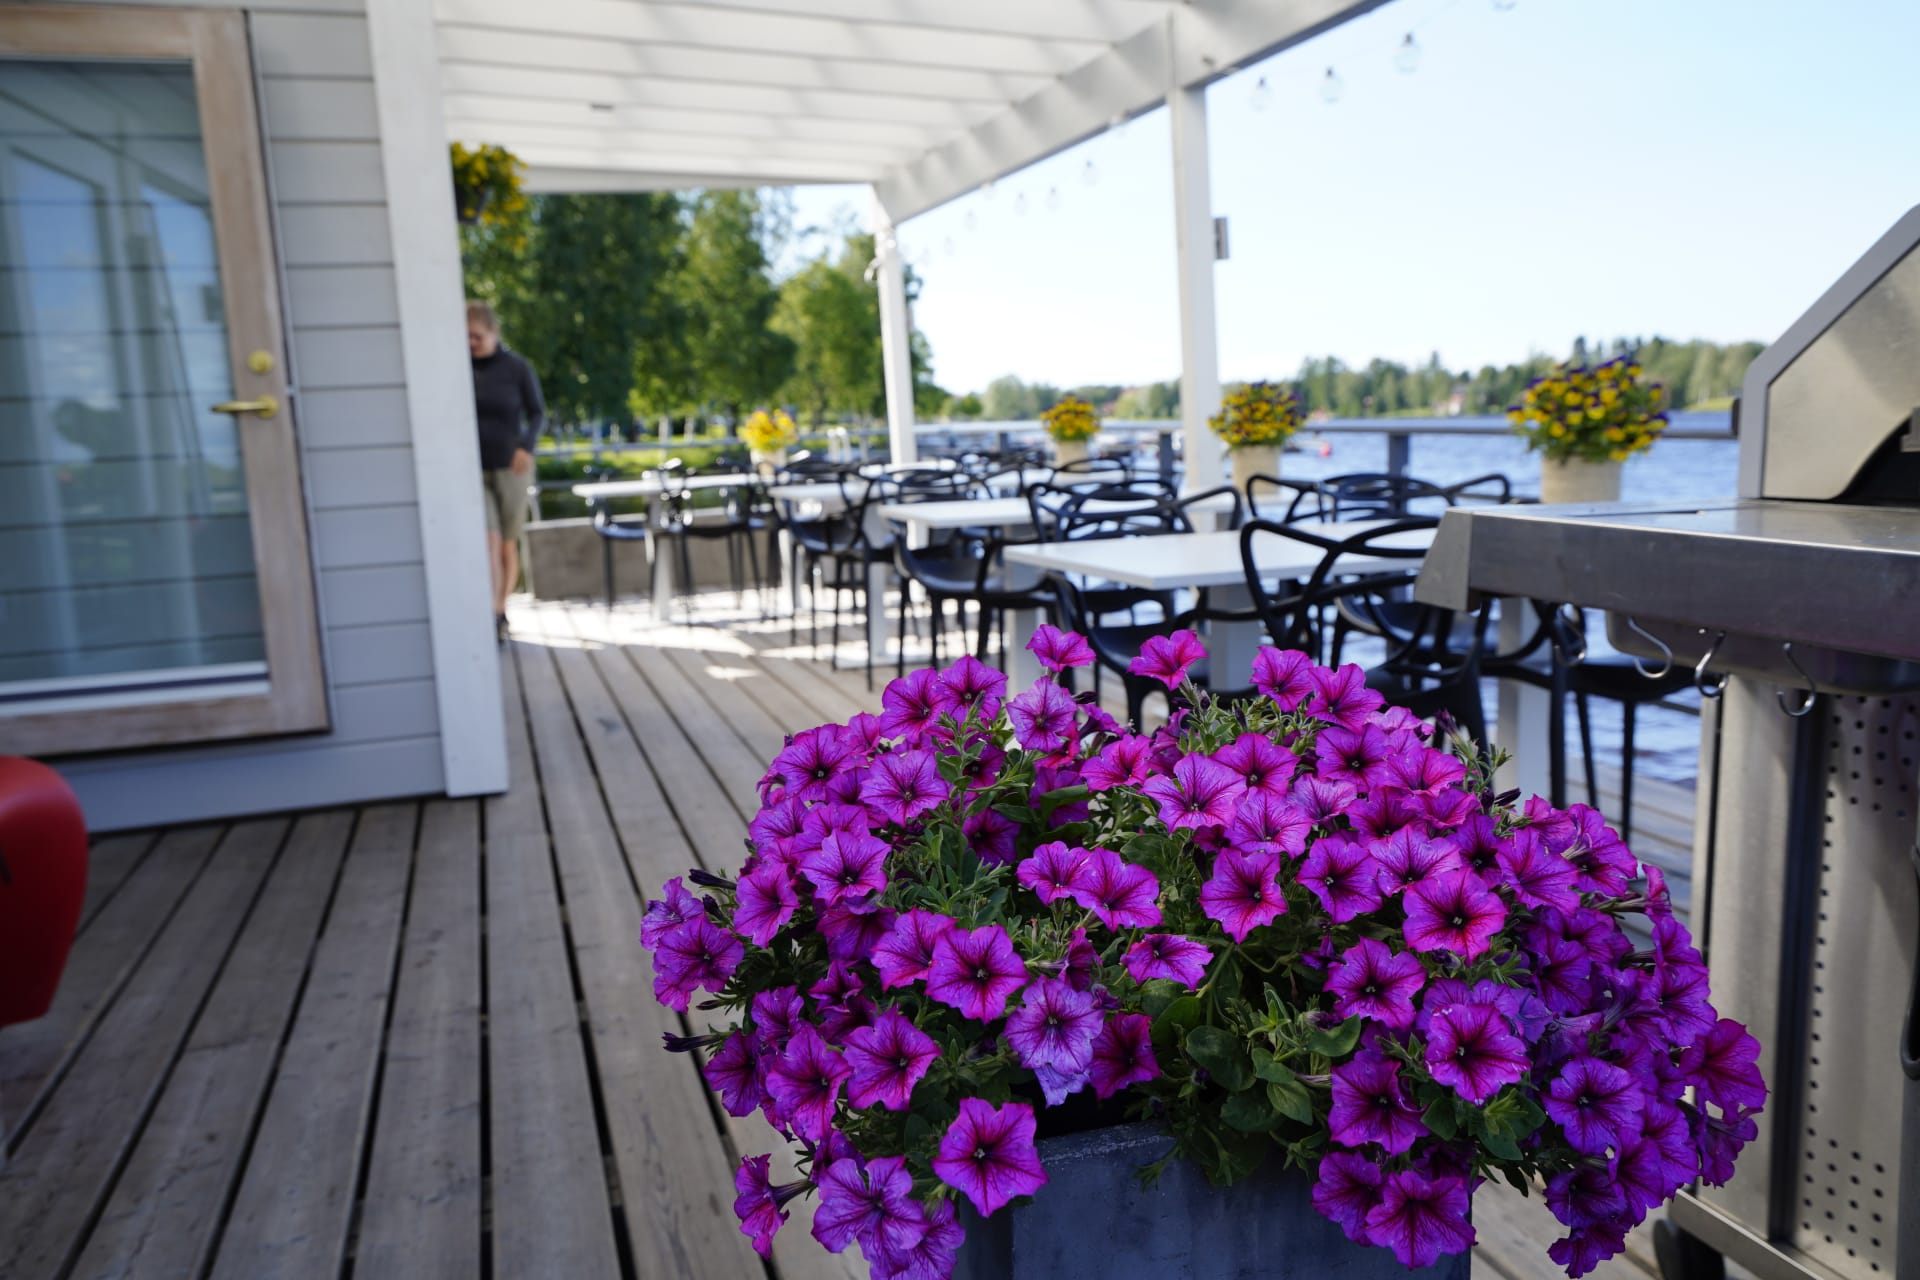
<point>1298,932</point>
<point>486,185</point>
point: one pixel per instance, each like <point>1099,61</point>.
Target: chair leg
<point>1582,709</point>
<point>833,647</point>
<point>1626,770</point>
<point>900,647</point>
<point>1557,740</point>
<point>606,568</point>
<point>936,624</point>
<point>1136,702</point>
<point>986,632</point>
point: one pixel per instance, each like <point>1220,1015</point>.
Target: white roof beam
<point>696,168</point>
<point>515,86</point>
<point>461,45</point>
<point>1089,21</point>
<point>1194,44</point>
<point>702,27</point>
<point>872,156</point>
<point>480,112</point>
<point>571,181</point>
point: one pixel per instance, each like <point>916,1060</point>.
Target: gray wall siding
<point>323,151</point>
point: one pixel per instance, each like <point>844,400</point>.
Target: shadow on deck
<point>418,1039</point>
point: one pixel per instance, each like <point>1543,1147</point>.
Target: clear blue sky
<point>1693,168</point>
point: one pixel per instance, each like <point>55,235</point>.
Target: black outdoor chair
<point>737,517</point>
<point>1291,500</point>
<point>843,543</point>
<point>613,528</point>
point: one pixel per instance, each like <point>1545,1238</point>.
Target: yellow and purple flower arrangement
<point>1256,413</point>
<point>1071,418</point>
<point>1607,413</point>
<point>766,432</point>
<point>1300,926</point>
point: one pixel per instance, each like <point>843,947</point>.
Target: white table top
<point>649,486</point>
<point>826,494</point>
<point>1000,513</point>
<point>1166,562</point>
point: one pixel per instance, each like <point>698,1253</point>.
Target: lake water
<point>1666,742</point>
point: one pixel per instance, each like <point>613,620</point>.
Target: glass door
<point>155,585</point>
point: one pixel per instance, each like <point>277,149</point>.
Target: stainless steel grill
<point>1801,595</point>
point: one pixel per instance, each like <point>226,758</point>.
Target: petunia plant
<point>1298,927</point>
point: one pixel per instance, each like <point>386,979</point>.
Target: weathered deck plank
<point>64,1167</point>
<point>165,1210</point>
<point>109,863</point>
<point>292,1213</point>
<point>422,1214</point>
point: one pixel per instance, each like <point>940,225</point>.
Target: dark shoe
<point>501,631</point>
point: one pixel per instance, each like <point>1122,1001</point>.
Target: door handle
<point>265,406</point>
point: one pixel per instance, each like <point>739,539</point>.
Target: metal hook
<point>1576,628</point>
<point>1813,690</point>
<point>1666,651</point>
<point>1700,682</point>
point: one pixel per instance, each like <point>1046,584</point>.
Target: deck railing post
<point>1399,449</point>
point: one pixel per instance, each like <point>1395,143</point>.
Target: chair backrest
<point>1294,610</point>
<point>1066,513</point>
<point>1378,494</point>
<point>1290,500</point>
<point>1493,487</point>
<point>1187,503</point>
<point>1100,465</point>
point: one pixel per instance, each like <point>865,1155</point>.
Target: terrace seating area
<point>418,1039</point>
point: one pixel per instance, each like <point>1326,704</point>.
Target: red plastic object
<point>43,878</point>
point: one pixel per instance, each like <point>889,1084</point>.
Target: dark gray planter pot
<point>1094,1221</point>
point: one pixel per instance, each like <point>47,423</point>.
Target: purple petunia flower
<point>1421,1218</point>
<point>992,836</point>
<point>1244,892</point>
<point>1054,1027</point>
<point>1167,658</point>
<point>1384,812</point>
<point>1265,824</point>
<point>1453,912</point>
<point>758,1203</point>
<point>1262,766</point>
<point>1058,650</point>
<point>697,955</point>
<point>1369,1105</point>
<point>1422,771</point>
<point>811,761</point>
<point>1727,1076</point>
<point>975,971</point>
<point>1285,675</point>
<point>734,1074</point>
<point>1596,1103</point>
<point>1407,858</point>
<point>1341,696</point>
<point>1121,763</point>
<point>848,867</point>
<point>1372,980</point>
<point>1584,1195</point>
<point>766,902</point>
<point>805,1081</point>
<point>1360,757</point>
<point>1201,793</point>
<point>1053,870</point>
<point>1118,892</point>
<point>912,705</point>
<point>931,1257</point>
<point>1077,968</point>
<point>1347,1190</point>
<point>902,785</point>
<point>975,688</point>
<point>888,1058</point>
<point>1539,878</point>
<point>1473,1051</point>
<point>1598,855</point>
<point>1169,956</point>
<point>852,930</point>
<point>987,1153</point>
<point>673,909</point>
<point>1043,717</point>
<point>905,955</point>
<point>1123,1054</point>
<point>1343,876</point>
<point>1585,1248</point>
<point>1720,1140</point>
<point>873,1205</point>
<point>1319,801</point>
<point>775,1015</point>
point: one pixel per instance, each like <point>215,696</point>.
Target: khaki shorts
<point>506,502</point>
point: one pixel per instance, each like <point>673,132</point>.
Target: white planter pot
<point>768,462</point>
<point>1251,460</point>
<point>1577,480</point>
<point>1065,451</point>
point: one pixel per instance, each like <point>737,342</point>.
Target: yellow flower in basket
<point>769,432</point>
<point>1071,418</point>
<point>1256,413</point>
<point>1605,413</point>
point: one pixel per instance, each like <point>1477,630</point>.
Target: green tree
<point>833,322</point>
<point>727,299</point>
<point>1007,399</point>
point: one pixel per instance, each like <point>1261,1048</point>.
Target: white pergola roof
<point>923,99</point>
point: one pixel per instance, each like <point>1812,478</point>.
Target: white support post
<point>446,449</point>
<point>1193,227</point>
<point>896,352</point>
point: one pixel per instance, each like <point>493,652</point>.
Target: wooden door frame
<point>216,43</point>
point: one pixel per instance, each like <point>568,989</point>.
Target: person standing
<point>511,412</point>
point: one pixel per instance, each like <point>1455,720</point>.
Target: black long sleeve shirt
<point>509,406</point>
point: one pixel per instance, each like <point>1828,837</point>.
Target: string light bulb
<point>1262,96</point>
<point>949,247</point>
<point>1332,87</point>
<point>1407,57</point>
<point>1089,172</point>
<point>972,220</point>
<point>1020,205</point>
<point>1053,199</point>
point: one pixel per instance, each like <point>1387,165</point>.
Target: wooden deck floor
<point>418,1040</point>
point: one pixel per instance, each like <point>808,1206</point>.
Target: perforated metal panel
<point>1863,938</point>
